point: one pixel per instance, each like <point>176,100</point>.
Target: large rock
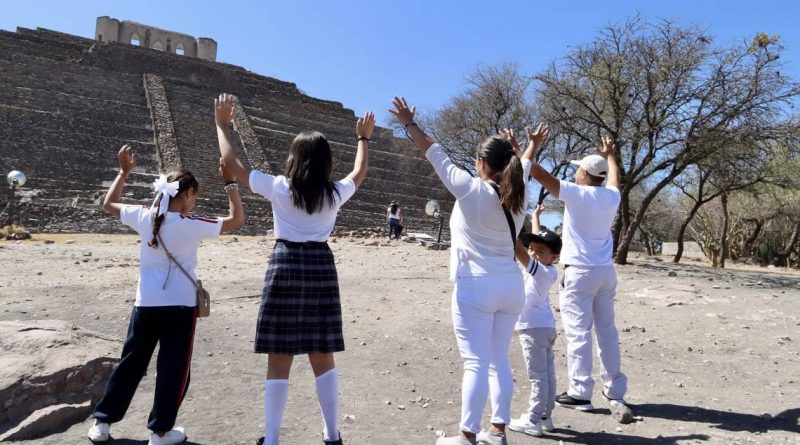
<point>51,373</point>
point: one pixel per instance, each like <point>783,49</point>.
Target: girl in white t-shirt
<point>489,293</point>
<point>394,220</point>
<point>300,308</point>
<point>165,309</point>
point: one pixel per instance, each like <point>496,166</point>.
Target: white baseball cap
<point>595,165</point>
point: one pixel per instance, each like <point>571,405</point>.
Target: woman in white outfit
<point>489,292</point>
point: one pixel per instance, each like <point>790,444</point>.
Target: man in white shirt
<point>589,284</point>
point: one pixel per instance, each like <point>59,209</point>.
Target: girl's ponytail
<point>512,186</point>
<point>156,223</point>
<point>506,170</point>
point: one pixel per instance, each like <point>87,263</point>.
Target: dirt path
<point>712,356</point>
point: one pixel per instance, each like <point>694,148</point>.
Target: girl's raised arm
<point>127,162</point>
<point>223,115</point>
<point>405,115</point>
<point>235,218</point>
<point>364,128</point>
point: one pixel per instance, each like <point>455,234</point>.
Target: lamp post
<point>15,179</point>
<point>432,208</point>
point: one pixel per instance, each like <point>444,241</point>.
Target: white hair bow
<point>166,190</point>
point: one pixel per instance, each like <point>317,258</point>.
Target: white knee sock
<point>276,392</point>
<point>328,395</point>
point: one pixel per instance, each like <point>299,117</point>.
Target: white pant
<point>485,310</point>
<point>586,299</point>
<point>537,349</point>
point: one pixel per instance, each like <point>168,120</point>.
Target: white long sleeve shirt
<point>480,239</point>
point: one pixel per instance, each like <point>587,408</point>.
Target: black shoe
<point>334,442</point>
<point>260,441</point>
<point>567,401</point>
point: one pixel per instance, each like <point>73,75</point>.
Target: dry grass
<point>16,229</point>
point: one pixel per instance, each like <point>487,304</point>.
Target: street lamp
<point>432,208</point>
<point>15,179</point>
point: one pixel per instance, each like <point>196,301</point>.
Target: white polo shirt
<point>481,242</point>
<point>162,283</point>
<point>588,216</point>
<point>295,224</point>
<point>537,313</point>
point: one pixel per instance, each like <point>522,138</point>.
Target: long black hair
<point>186,181</point>
<point>309,168</point>
<point>506,171</point>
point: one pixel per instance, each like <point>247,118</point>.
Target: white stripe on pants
<point>537,349</point>
<point>587,299</point>
<point>485,310</point>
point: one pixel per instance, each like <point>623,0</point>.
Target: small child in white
<point>537,327</point>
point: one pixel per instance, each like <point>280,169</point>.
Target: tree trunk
<point>682,230</point>
<point>621,256</point>
<point>723,242</point>
<point>783,256</point>
<point>746,243</point>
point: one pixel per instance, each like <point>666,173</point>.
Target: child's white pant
<point>587,299</point>
<point>485,310</point>
<point>537,349</point>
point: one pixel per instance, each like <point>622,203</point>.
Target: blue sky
<point>362,52</point>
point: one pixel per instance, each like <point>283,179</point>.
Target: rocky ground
<point>712,356</point>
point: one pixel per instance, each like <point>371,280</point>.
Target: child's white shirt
<point>479,233</point>
<point>162,283</point>
<point>588,216</point>
<point>295,224</point>
<point>539,278</point>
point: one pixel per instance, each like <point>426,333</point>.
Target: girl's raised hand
<point>401,110</point>
<point>510,134</point>
<point>223,110</point>
<point>537,138</point>
<point>539,210</point>
<point>365,125</point>
<point>126,158</point>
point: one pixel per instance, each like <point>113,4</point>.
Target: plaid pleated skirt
<point>300,308</point>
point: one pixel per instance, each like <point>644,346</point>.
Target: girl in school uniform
<point>300,309</point>
<point>489,293</point>
<point>165,309</point>
<point>394,220</point>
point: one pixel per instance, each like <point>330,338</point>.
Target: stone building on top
<point>112,30</point>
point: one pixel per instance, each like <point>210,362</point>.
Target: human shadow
<point>724,420</point>
<point>124,441</point>
<point>564,435</point>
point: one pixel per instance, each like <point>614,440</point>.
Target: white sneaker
<point>455,440</point>
<point>547,424</point>
<point>99,432</point>
<point>176,435</point>
<point>490,438</point>
<point>524,425</point>
<point>619,410</point>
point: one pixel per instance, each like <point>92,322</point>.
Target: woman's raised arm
<point>127,162</point>
<point>223,115</point>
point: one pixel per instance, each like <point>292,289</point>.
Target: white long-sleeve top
<point>480,239</point>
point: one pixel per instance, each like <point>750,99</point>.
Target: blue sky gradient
<point>362,52</point>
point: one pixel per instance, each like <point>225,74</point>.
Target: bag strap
<point>511,226</point>
<point>173,260</point>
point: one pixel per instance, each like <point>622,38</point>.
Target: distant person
<point>589,284</point>
<point>537,326</point>
<point>300,309</point>
<point>489,292</point>
<point>164,312</point>
<point>394,220</point>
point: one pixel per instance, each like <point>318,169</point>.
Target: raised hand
<point>126,158</point>
<point>401,110</point>
<point>537,138</point>
<point>538,210</point>
<point>509,134</point>
<point>608,148</point>
<point>223,110</point>
<point>365,125</point>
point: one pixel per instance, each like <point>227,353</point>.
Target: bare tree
<point>665,95</point>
